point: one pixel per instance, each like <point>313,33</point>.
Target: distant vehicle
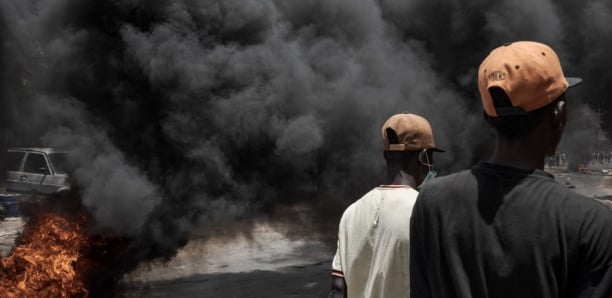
<point>36,170</point>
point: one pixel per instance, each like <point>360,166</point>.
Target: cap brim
<point>573,81</point>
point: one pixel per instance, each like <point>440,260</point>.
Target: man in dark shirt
<point>506,228</point>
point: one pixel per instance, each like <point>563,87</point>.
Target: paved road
<point>308,281</point>
<point>268,265</point>
<point>10,228</point>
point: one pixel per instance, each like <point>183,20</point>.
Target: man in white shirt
<point>372,259</point>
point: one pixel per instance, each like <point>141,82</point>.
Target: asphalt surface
<point>267,265</point>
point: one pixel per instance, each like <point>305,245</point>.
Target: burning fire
<point>48,260</point>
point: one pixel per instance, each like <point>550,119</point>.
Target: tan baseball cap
<point>529,73</point>
<point>413,133</point>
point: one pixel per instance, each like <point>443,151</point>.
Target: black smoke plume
<point>183,115</point>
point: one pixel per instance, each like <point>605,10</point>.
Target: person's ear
<point>560,115</point>
<point>421,171</point>
<point>557,124</point>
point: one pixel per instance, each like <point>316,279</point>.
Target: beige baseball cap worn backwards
<point>413,133</point>
<point>530,74</point>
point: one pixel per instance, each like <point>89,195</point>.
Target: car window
<point>13,160</point>
<point>36,163</point>
<point>58,160</point>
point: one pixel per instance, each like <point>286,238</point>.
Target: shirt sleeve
<point>337,268</point>
<point>337,264</point>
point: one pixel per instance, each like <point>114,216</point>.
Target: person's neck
<point>522,154</point>
<point>401,178</point>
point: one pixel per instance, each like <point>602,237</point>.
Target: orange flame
<point>45,262</point>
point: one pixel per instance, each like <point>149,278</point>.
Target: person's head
<point>408,146</point>
<point>522,88</point>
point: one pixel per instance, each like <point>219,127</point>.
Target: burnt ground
<point>267,263</point>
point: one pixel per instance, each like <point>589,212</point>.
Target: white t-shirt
<point>373,243</point>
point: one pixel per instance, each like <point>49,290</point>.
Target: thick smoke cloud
<point>187,114</point>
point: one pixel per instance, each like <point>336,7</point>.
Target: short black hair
<point>516,126</point>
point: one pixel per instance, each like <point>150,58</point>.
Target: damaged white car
<point>36,170</point>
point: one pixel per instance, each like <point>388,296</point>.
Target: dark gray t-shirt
<point>496,231</point>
